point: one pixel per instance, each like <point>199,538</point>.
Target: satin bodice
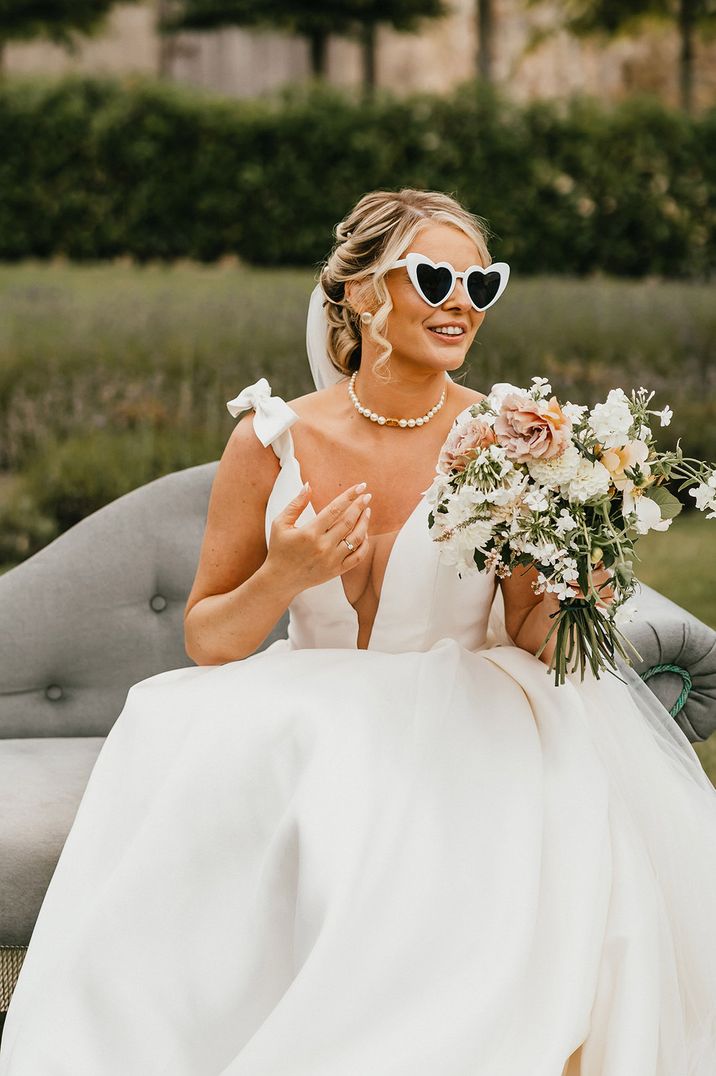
<point>422,599</point>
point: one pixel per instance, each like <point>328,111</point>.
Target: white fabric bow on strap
<point>273,415</point>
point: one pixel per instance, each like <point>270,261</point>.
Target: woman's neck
<point>405,396</point>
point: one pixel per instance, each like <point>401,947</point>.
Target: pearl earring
<point>366,317</point>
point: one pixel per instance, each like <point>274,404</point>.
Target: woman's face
<point>411,322</point>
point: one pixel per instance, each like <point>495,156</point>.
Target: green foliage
<point>340,17</point>
<point>95,168</point>
<point>69,480</point>
<point>611,16</point>
<point>59,20</point>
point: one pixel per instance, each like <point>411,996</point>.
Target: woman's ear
<point>351,292</point>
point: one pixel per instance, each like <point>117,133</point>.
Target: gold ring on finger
<point>349,544</point>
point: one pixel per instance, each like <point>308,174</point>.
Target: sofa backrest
<point>101,607</point>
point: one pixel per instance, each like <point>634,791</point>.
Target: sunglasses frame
<point>412,260</point>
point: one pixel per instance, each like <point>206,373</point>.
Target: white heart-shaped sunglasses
<point>435,282</point>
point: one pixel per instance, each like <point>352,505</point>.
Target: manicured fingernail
<point>366,497</point>
<point>361,487</point>
<point>367,513</point>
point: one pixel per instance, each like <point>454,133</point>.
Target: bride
<point>387,844</point>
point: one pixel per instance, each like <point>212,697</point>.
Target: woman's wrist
<point>227,627</point>
<point>275,583</point>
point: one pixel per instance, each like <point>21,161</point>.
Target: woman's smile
<point>451,337</point>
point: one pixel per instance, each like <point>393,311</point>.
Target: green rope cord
<point>684,676</point>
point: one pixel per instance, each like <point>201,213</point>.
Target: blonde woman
<point>387,844</point>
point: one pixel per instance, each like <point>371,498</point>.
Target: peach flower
<point>532,429</point>
<point>463,443</point>
<point>616,460</point>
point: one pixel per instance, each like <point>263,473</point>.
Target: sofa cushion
<point>42,781</point>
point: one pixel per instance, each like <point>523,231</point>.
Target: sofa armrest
<point>678,660</point>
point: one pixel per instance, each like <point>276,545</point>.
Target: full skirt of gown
<point>334,862</point>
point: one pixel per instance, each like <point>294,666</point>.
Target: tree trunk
<point>686,54</point>
<point>368,49</point>
<point>166,43</point>
<point>485,31</point>
<point>319,53</point>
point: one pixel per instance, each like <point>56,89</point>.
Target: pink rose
<point>532,429</point>
<point>463,444</point>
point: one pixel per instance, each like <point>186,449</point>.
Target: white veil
<point>323,371</point>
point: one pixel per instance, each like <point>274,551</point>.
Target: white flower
<point>515,484</point>
<point>570,574</point>
<point>625,614</point>
<point>574,411</point>
<point>591,480</point>
<point>556,585</point>
<point>438,489</point>
<point>543,385</point>
<point>666,416</point>
<point>643,433</point>
<point>460,504</point>
<point>648,513</point>
<point>499,391</point>
<point>536,499</point>
<point>565,523</point>
<point>543,551</point>
<point>704,494</point>
<point>611,421</point>
<point>458,550</point>
<point>558,470</point>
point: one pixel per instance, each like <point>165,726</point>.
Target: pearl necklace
<point>382,420</point>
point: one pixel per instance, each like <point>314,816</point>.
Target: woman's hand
<point>315,552</point>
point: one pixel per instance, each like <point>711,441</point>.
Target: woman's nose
<point>458,296</point>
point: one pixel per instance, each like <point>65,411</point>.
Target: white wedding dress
<point>417,859</point>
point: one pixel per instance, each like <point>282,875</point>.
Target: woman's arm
<point>241,590</point>
<point>236,598</point>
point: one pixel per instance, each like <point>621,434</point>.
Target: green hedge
<point>94,168</point>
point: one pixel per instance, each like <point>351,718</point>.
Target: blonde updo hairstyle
<point>374,234</point>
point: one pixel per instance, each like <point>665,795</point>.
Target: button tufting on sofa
<point>54,692</point>
<point>158,602</point>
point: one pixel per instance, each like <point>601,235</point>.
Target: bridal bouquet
<point>525,480</point>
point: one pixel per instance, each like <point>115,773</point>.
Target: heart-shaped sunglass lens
<point>482,288</point>
<point>434,283</point>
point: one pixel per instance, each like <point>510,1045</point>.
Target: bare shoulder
<point>320,403</point>
<point>470,396</point>
<point>246,457</point>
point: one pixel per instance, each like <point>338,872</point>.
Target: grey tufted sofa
<point>101,608</point>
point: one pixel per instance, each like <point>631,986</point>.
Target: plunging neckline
<point>338,579</point>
